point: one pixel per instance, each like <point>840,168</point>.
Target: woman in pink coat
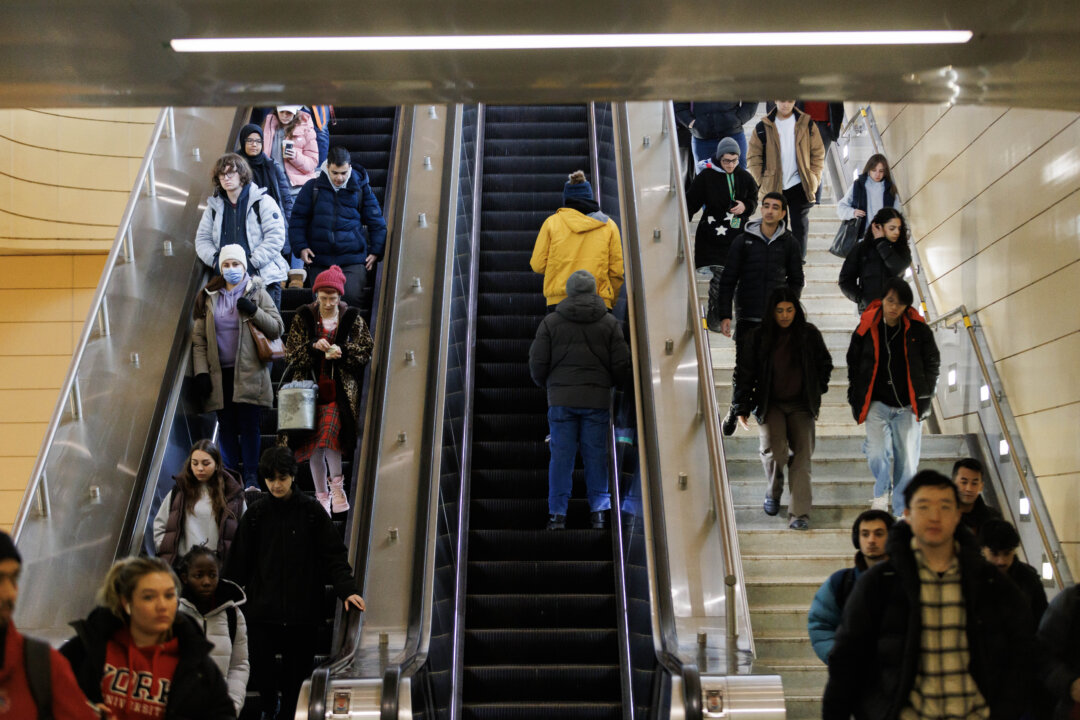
<point>289,140</point>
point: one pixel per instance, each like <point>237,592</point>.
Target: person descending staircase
<point>783,567</point>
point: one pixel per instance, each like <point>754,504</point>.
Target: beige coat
<point>809,155</point>
<point>252,376</point>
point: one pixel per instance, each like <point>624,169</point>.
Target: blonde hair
<point>124,575</point>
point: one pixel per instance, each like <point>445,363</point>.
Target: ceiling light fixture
<point>420,43</point>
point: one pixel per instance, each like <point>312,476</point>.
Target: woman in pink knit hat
<point>330,341</point>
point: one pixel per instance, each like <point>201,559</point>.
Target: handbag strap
<point>285,372</point>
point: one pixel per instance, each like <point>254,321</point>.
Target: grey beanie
<point>581,283</point>
<point>727,146</point>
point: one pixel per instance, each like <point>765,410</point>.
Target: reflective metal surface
<point>98,465</point>
<point>116,53</point>
<point>738,697</point>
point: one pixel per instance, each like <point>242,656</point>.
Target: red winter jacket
<point>16,703</point>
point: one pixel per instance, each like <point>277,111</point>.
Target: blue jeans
<point>893,441</point>
<point>705,149</point>
<point>239,432</point>
<point>570,428</point>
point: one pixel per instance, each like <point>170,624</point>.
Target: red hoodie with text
<point>136,682</point>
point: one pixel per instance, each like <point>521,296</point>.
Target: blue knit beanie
<point>577,187</point>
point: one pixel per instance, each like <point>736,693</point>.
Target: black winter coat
<point>1059,644</point>
<point>869,266</point>
<point>754,268</point>
<point>198,690</point>
<point>715,119</point>
<point>876,656</point>
<point>923,362</point>
<point>332,224</point>
<point>754,372</point>
<point>579,354</point>
<point>714,233</point>
<point>284,554</point>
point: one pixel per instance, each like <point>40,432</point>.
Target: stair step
<point>777,620</point>
<point>810,542</point>
<point>822,516</point>
<point>788,648</point>
<point>762,593</point>
<point>781,566</point>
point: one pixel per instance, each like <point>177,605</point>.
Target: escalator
<point>540,627</point>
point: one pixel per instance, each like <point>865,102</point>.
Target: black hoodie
<point>579,353</point>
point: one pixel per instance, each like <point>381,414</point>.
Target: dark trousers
<point>274,291</point>
<point>239,432</point>
<point>744,330</point>
<point>798,214</point>
<point>788,426</point>
<point>355,279</point>
<point>296,646</point>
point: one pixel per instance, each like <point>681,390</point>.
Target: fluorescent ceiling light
<point>420,43</point>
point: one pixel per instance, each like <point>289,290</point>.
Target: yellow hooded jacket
<point>570,241</point>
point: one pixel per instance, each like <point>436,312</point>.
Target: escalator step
<point>494,427</point>
<point>497,221</point>
<point>541,647</point>
<point>496,350</point>
<point>551,114</point>
<point>538,576</point>
<point>529,302</point>
<point>513,513</point>
<point>524,165</point>
<point>539,683</point>
<point>533,610</point>
<point>513,327</point>
<point>505,260</point>
<point>512,280</point>
<point>524,545</point>
<point>528,201</point>
<point>542,711</point>
<point>506,455</point>
<point>518,483</point>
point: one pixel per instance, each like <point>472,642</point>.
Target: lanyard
<point>730,186</point>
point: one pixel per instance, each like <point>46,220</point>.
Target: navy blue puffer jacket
<point>332,223</point>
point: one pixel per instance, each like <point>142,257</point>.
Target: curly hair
<point>230,161</point>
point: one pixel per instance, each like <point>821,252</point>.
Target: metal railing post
<point>76,400</point>
<point>41,497</point>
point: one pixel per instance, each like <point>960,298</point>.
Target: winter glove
<point>246,306</point>
<point>203,386</point>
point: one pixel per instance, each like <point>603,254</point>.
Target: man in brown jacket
<point>787,155</point>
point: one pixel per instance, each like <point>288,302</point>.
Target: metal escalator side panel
<point>98,466</point>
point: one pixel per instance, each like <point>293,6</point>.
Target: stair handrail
<point>1016,451</point>
<point>36,494</point>
<point>721,482</point>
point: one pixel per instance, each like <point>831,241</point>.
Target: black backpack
<point>36,656</point>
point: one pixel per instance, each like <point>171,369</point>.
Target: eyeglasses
<point>253,140</point>
<point>227,174</point>
<point>729,161</point>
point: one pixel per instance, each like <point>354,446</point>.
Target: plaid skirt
<point>327,432</point>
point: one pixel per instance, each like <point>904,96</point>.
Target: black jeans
<point>798,213</point>
<point>355,279</point>
<point>296,645</point>
<point>744,330</point>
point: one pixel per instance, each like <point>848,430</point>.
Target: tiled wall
<point>43,302</point>
<point>993,196</point>
<point>65,176</point>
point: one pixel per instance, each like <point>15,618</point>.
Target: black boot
<point>598,519</point>
<point>729,423</point>
<point>556,522</point>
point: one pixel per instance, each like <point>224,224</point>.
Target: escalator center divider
<point>541,637</point>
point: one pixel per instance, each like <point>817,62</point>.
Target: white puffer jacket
<point>265,235</point>
<point>231,655</point>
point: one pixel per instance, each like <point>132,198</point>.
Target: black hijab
<point>263,172</point>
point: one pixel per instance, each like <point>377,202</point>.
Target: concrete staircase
<point>785,567</point>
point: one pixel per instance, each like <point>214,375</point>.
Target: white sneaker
<point>339,502</point>
<point>324,500</point>
<point>880,503</point>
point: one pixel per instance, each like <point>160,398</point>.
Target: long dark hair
<point>769,326</point>
<point>875,160</point>
<point>883,216</point>
<point>199,310</point>
<point>189,485</point>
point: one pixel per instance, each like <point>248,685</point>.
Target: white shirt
<point>788,164</point>
<point>200,528</point>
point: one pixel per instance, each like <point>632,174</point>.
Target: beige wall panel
<point>1072,555</point>
<point>80,302</point>
<point>15,473</point>
<point>31,371</point>
<point>32,232</point>
<point>941,144</point>
<point>9,507</point>
<point>35,339</point>
<point>87,270</point>
<point>34,406</point>
<point>1061,493</point>
<point>146,116</point>
<point>907,126</point>
<point>1050,439</point>
<point>38,305</point>
<point>1024,320</point>
<point>82,136</point>
<point>71,170</point>
<point>1026,375</point>
<point>884,113</point>
<point>89,207</point>
<point>998,150</point>
<point>36,272</point>
<point>20,440</point>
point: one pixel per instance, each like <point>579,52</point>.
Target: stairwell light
<point>1003,448</point>
<point>951,378</point>
<point>430,43</point>
<point>984,394</point>
<point>1024,506</point>
<point>1047,568</point>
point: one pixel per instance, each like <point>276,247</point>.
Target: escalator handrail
<point>418,636</point>
<point>662,613</point>
<point>721,482</point>
<point>164,120</point>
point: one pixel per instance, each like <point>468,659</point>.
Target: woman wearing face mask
<point>136,658</point>
<point>330,341</point>
<point>871,191</point>
<point>203,509</point>
<point>780,379</point>
<point>244,214</point>
<point>289,140</point>
<point>882,254</point>
<point>229,376</point>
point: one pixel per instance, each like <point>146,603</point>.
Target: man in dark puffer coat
<point>579,354</point>
<point>877,660</point>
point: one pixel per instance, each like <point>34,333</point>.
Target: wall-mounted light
<point>845,151</point>
<point>429,43</point>
<point>908,274</point>
<point>1024,505</point>
<point>1047,569</point>
<point>1003,448</point>
<point>951,378</point>
<point>984,394</point>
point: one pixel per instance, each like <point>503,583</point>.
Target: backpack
<point>230,617</point>
<point>843,586</point>
<point>36,656</point>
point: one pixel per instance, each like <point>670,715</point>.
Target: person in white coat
<point>215,606</point>
<point>244,214</point>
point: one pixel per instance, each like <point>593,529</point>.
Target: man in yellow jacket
<point>578,237</point>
